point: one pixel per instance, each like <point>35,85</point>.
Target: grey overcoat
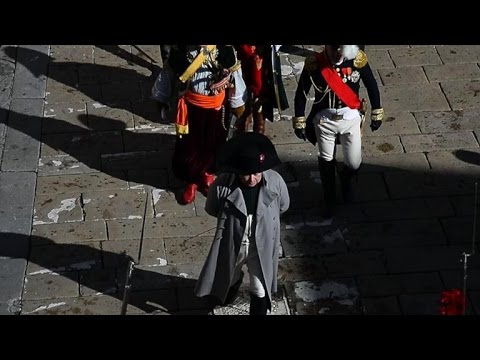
<point>225,201</point>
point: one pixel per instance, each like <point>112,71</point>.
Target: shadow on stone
<point>134,87</point>
<point>137,157</point>
<point>96,274</point>
<point>469,157</point>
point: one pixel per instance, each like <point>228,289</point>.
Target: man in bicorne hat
<point>247,198</point>
<point>337,113</point>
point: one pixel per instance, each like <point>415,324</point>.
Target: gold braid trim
<point>377,114</point>
<point>299,122</point>
<point>360,60</point>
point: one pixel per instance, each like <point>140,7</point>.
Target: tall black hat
<point>247,153</point>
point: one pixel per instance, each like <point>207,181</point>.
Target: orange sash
<point>342,90</point>
<point>203,101</point>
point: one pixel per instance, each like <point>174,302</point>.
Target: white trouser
<point>348,129</point>
<point>238,95</point>
<point>249,255</point>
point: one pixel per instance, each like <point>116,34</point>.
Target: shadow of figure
<point>467,156</point>
<point>131,58</point>
<point>118,87</point>
<point>161,289</point>
<point>140,158</point>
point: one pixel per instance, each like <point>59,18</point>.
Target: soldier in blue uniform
<point>337,113</point>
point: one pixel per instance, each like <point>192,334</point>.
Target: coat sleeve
<point>217,192</point>
<point>212,204</point>
<point>371,85</point>
<point>284,196</point>
<point>303,88</point>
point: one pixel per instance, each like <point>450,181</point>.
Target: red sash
<point>342,90</point>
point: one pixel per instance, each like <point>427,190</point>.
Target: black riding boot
<point>258,306</point>
<point>346,176</point>
<point>327,174</point>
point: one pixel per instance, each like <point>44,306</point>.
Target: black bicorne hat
<point>247,153</point>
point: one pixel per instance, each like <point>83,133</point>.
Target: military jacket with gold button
<point>350,71</point>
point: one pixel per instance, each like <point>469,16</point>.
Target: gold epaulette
<point>197,62</point>
<point>311,63</point>
<point>360,60</point>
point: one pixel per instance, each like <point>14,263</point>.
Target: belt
<point>337,117</point>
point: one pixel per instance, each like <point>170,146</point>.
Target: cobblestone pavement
<point>85,175</point>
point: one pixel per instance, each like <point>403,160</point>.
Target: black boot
<point>346,183</point>
<point>258,306</point>
<point>327,174</point>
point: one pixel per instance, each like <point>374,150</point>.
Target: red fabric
<point>452,302</point>
<point>256,83</point>
<point>208,179</point>
<point>189,193</point>
<point>342,90</point>
<point>195,154</point>
<point>181,118</point>
<point>252,68</point>
<point>245,51</point>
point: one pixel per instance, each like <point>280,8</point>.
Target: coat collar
<point>265,197</point>
<point>236,198</point>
